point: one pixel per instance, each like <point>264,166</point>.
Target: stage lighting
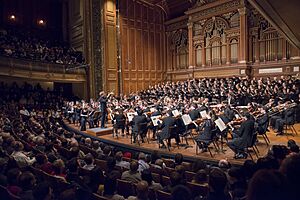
<point>12,17</point>
<point>41,22</point>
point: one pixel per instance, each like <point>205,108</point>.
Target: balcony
<point>41,71</point>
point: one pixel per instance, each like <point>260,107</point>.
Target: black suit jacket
<point>194,114</point>
<point>262,124</point>
<point>120,120</point>
<point>165,125</point>
<point>245,133</point>
<point>137,120</point>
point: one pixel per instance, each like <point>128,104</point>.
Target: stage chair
<point>209,142</point>
<point>116,129</point>
<point>171,130</point>
<point>142,126</point>
<point>264,129</point>
<point>252,147</point>
<point>161,195</point>
<point>290,126</point>
<point>125,188</point>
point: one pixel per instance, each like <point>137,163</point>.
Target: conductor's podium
<point>99,131</point>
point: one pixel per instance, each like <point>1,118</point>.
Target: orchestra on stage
<point>231,110</point>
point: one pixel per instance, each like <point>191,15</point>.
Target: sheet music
<point>203,114</point>
<point>186,119</point>
<point>175,113</point>
<point>155,120</point>
<point>131,116</point>
<point>220,124</point>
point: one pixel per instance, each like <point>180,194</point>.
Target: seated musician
<point>287,118</point>
<point>262,121</point>
<point>205,133</point>
<point>119,122</point>
<point>156,112</point>
<point>194,112</point>
<point>242,138</point>
<point>167,122</point>
<point>136,122</point>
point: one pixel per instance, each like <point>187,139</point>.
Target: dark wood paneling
<point>142,36</point>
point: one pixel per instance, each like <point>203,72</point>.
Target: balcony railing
<point>38,66</point>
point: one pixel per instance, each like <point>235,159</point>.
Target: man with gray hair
<point>142,163</point>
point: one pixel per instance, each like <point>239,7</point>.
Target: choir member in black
<point>242,138</point>
<point>119,122</point>
<point>84,116</point>
<point>137,122</point>
<point>167,122</point>
<point>205,134</point>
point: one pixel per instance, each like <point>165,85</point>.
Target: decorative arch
<point>215,41</point>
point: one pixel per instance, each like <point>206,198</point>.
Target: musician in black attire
<point>242,138</point>
<point>262,122</point>
<point>137,122</point>
<point>288,118</point>
<point>152,127</point>
<point>119,122</point>
<point>103,107</point>
<point>205,136</point>
<point>167,122</point>
<point>194,113</point>
<point>84,116</point>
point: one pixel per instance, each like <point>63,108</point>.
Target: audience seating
<point>161,195</point>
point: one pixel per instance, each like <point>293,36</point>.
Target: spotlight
<point>41,22</point>
<point>12,17</point>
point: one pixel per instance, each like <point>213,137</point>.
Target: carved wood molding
<point>226,7</point>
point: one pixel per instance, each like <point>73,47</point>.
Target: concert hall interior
<point>149,99</point>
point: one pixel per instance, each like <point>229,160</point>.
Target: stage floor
<point>191,152</point>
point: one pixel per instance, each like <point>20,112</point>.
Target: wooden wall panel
<point>142,36</point>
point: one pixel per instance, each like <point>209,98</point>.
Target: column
<point>228,52</point>
<point>243,55</point>
<point>203,54</point>
<point>257,49</point>
<point>191,48</point>
<point>250,49</point>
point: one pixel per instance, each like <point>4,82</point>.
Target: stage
<point>190,153</point>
